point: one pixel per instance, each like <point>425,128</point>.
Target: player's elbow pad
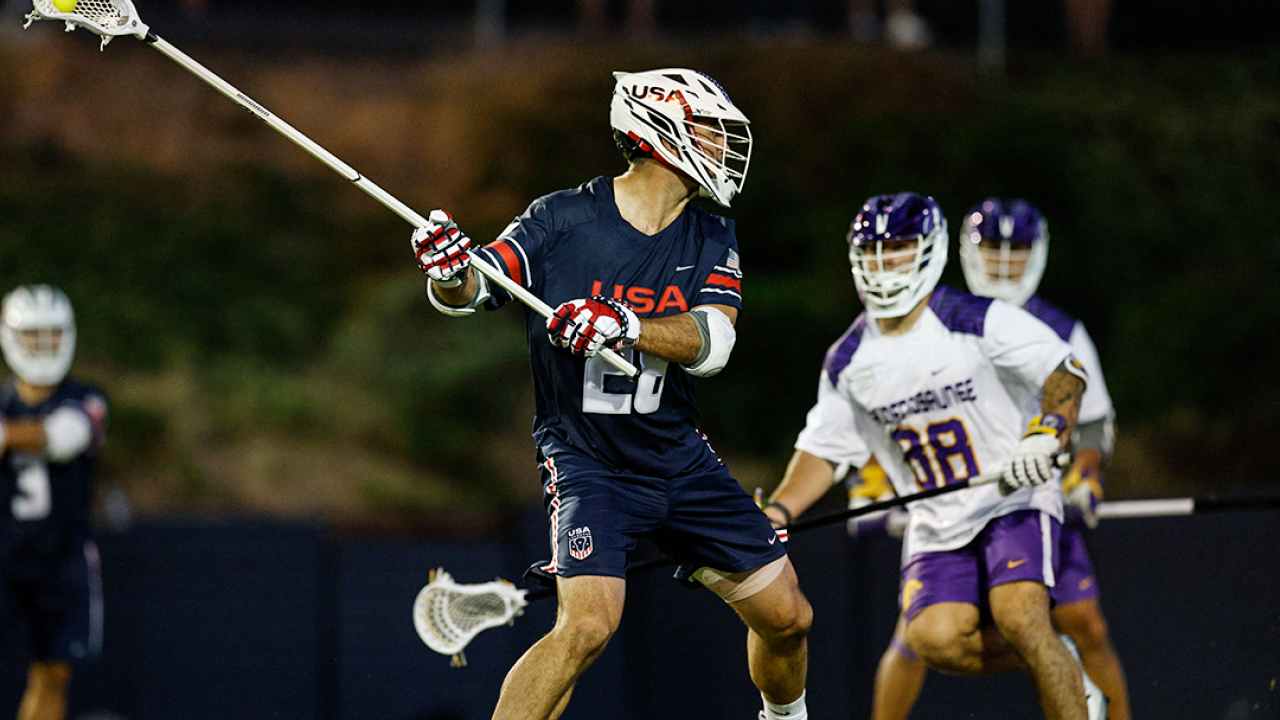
<point>718,336</point>
<point>67,433</point>
<point>482,294</point>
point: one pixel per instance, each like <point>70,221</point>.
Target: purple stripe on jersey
<point>1057,320</point>
<point>959,311</point>
<point>841,353</point>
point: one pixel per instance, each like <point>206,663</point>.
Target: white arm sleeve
<point>482,294</point>
<point>67,433</point>
<point>718,337</point>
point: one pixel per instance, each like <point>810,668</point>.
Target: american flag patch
<point>732,261</point>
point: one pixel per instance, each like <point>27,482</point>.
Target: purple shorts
<point>1022,545</point>
<point>1076,582</point>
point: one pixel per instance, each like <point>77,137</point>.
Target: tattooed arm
<point>1061,396</point>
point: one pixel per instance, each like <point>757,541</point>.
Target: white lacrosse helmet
<point>891,282</point>
<point>38,334</point>
<point>684,119</point>
<point>1004,246</point>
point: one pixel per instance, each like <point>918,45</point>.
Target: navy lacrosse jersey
<point>47,504</point>
<point>574,244</point>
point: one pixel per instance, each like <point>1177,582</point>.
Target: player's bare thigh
<point>589,611</point>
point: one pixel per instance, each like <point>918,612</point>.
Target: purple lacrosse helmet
<point>892,279</point>
<point>1004,246</point>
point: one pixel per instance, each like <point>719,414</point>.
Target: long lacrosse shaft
<point>893,502</point>
<point>387,199</point>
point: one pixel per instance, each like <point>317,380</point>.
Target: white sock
<point>791,711</point>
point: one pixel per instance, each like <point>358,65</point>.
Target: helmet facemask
<point>38,334</point>
<point>894,270</point>
<point>1004,248</point>
<point>685,120</point>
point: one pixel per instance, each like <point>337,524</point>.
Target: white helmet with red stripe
<point>684,119</point>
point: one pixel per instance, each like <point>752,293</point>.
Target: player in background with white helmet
<point>630,264</point>
<point>1004,248</point>
<point>51,427</point>
<point>939,386</point>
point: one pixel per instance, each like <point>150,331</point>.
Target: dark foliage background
<point>231,291</point>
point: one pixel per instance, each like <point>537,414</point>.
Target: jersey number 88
<point>939,455</point>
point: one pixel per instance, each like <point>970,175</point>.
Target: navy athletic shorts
<point>62,605</point>
<point>700,518</point>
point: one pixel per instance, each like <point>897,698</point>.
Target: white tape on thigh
<point>740,586</point>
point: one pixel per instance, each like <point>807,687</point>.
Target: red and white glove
<point>590,325</point>
<point>1033,460</point>
<point>441,249</point>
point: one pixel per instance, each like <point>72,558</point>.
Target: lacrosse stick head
<point>105,18</point>
<point>448,614</point>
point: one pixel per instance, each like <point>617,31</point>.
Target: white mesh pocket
<point>447,614</point>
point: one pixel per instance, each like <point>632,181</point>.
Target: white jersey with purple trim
<point>946,401</point>
<point>1095,405</point>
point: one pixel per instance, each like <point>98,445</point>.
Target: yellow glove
<point>1082,489</point>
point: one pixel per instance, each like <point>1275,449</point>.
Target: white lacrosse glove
<point>587,326</point>
<point>1033,460</point>
<point>441,249</point>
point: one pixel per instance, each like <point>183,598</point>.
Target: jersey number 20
<point>643,396</point>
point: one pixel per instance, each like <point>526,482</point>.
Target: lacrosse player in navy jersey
<point>631,265</point>
<point>51,427</point>
<point>939,386</point>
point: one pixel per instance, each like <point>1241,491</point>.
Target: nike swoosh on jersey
<point>682,268</point>
<point>1015,563</point>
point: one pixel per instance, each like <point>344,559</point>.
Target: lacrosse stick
<point>1167,507</point>
<point>110,18</point>
<point>448,614</point>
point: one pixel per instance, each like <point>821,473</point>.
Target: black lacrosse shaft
<point>1242,502</point>
<point>874,507</point>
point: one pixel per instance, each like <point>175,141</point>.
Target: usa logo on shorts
<point>580,543</point>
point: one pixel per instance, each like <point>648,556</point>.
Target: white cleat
<point>1094,700</point>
